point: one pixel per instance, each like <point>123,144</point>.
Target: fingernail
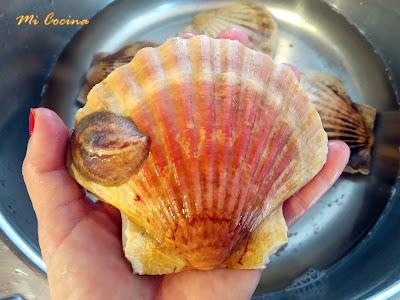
<point>186,35</point>
<point>294,69</point>
<point>234,34</point>
<point>31,121</point>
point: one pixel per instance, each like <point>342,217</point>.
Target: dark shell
<point>104,63</point>
<point>342,119</point>
<point>253,18</point>
<point>107,149</point>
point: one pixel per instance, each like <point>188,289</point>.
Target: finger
<point>186,35</point>
<point>294,70</point>
<point>56,198</point>
<point>220,284</point>
<point>234,34</point>
<point>297,205</point>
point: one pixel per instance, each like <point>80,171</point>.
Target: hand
<point>81,240</point>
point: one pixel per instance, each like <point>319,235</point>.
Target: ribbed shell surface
<point>232,137</point>
<point>252,18</point>
<point>342,119</point>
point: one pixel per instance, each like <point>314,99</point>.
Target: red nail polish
<point>31,121</point>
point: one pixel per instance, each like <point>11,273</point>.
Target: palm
<point>88,262</point>
<point>101,271</point>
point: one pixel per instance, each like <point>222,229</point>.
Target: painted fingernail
<point>31,121</point>
<point>186,35</point>
<point>294,69</point>
<point>234,34</point>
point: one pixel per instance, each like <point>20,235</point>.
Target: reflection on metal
<point>312,35</point>
<point>292,18</point>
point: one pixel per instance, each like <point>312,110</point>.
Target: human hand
<point>81,241</point>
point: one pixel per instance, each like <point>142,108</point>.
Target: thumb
<point>57,199</point>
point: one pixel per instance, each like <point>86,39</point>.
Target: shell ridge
<point>260,101</point>
<point>236,101</point>
<point>338,123</point>
<point>239,127</point>
<point>151,163</point>
<point>333,131</point>
<point>359,147</point>
<point>221,137</point>
<point>239,203</point>
<point>260,168</point>
<point>282,136</point>
<point>307,169</point>
<point>159,132</point>
<point>140,188</point>
<point>333,102</point>
<point>281,169</point>
<point>252,72</point>
<point>202,106</point>
<point>170,147</point>
<point>197,67</point>
<point>192,165</point>
<point>159,194</point>
<point>141,249</point>
<point>215,52</point>
<point>356,120</point>
<point>143,184</point>
<point>236,105</point>
<point>181,172</point>
<point>263,145</point>
<point>352,118</point>
<point>177,92</point>
<point>342,100</point>
<point>270,176</point>
<point>268,111</point>
<point>228,93</point>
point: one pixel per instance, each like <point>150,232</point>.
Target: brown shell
<point>107,148</point>
<point>104,63</point>
<point>342,119</point>
<point>254,19</point>
<point>232,136</point>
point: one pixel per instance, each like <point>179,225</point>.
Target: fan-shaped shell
<point>232,136</point>
<point>104,63</point>
<point>254,19</point>
<point>342,119</point>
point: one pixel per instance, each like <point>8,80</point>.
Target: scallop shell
<point>342,119</point>
<point>254,19</point>
<point>232,136</point>
<point>104,63</point>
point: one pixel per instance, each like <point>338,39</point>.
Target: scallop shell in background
<point>104,63</point>
<point>254,19</point>
<point>232,136</point>
<point>342,119</point>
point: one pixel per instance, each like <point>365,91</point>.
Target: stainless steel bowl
<point>348,245</point>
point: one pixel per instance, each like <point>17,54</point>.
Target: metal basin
<point>346,247</point>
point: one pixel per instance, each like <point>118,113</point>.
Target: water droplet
<point>309,283</point>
